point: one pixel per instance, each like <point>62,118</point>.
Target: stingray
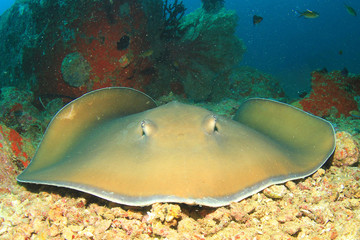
<point>115,143</point>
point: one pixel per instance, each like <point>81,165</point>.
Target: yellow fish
<point>309,14</point>
<point>350,10</point>
<point>147,53</point>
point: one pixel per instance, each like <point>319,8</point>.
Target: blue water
<point>5,4</point>
<point>290,47</point>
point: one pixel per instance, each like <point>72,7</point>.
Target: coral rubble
<point>324,206</point>
<point>347,150</point>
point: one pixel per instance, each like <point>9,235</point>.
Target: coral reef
<point>18,112</point>
<point>198,64</point>
<point>347,150</point>
<point>68,49</point>
<point>92,33</point>
<point>250,82</point>
<point>15,154</point>
<point>172,16</point>
<point>212,50</point>
<point>332,93</point>
<point>17,32</point>
<point>75,69</point>
<point>112,41</point>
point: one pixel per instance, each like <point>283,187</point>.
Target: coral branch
<point>172,13</point>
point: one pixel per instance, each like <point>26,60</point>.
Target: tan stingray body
<point>134,153</point>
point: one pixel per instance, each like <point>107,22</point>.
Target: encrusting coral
<point>332,94</point>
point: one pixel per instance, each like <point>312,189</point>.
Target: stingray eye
<point>210,124</point>
<point>148,127</point>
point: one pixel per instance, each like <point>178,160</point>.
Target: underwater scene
<point>179,119</point>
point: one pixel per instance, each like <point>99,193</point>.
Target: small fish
<point>257,19</point>
<point>323,70</point>
<point>355,113</point>
<point>309,14</point>
<point>302,93</point>
<point>344,72</point>
<point>147,53</point>
<point>340,52</point>
<point>123,43</point>
<point>350,10</point>
<point>176,64</point>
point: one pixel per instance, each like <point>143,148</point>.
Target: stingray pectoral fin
<point>300,133</point>
<point>82,114</point>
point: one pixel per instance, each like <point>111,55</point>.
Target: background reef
<point>199,60</point>
<point>66,48</point>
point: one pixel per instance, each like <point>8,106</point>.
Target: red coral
<point>96,35</point>
<point>14,140</point>
<point>329,91</point>
<point>17,107</point>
